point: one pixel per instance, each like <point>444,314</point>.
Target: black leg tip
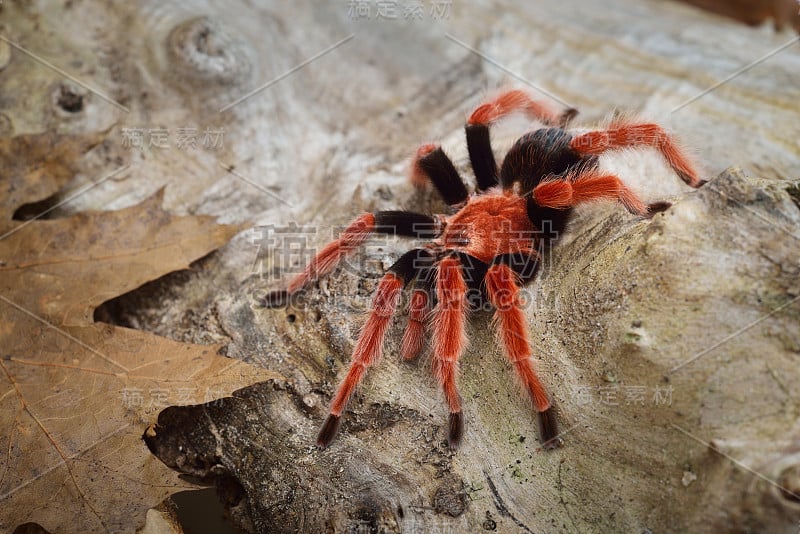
<point>274,299</point>
<point>690,179</point>
<point>657,207</point>
<point>455,429</point>
<point>328,431</point>
<point>567,116</point>
<point>548,429</point>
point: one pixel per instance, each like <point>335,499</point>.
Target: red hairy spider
<point>489,246</point>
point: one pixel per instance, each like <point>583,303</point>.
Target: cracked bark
<point>621,302</point>
<point>643,320</point>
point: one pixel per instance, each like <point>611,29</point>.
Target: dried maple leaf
<point>75,395</point>
<point>754,12</point>
<point>36,166</point>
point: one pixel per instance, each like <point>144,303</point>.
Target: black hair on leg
<point>406,223</point>
<point>438,167</point>
<point>481,156</point>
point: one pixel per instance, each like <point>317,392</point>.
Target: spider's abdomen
<point>489,225</point>
<point>536,155</point>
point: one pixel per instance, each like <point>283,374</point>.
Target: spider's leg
<point>477,129</point>
<point>369,346</point>
<point>481,156</point>
<point>587,186</point>
<point>503,289</point>
<point>450,340</point>
<point>403,223</point>
<point>472,270</point>
<point>367,351</point>
<point>431,164</point>
<point>418,308</point>
<point>623,134</point>
<point>516,100</point>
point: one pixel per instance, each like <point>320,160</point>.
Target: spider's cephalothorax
<point>487,248</point>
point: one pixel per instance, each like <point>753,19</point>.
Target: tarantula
<point>490,245</point>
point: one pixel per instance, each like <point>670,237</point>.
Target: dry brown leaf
<point>754,12</point>
<point>36,166</point>
<point>75,394</point>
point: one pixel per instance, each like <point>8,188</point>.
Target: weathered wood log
<point>670,345</point>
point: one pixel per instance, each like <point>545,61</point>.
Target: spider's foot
<point>690,180</point>
<point>548,429</point>
<point>567,116</point>
<point>455,429</point>
<point>329,430</point>
<point>274,299</point>
<point>657,207</point>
